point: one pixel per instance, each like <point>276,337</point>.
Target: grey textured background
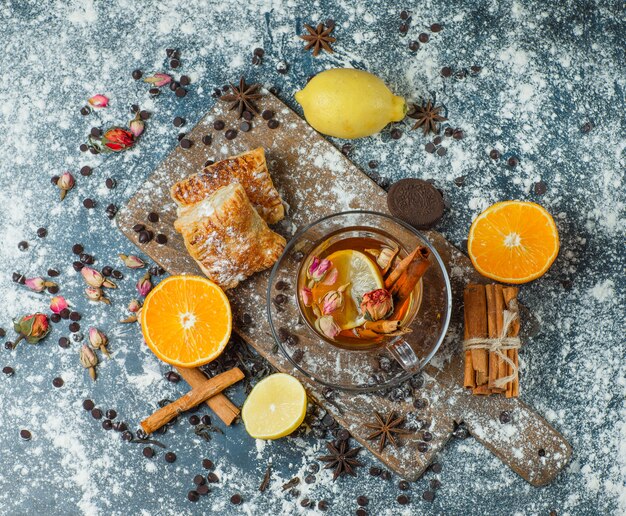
<point>547,70</point>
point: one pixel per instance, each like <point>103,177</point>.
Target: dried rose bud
<point>318,268</point>
<point>98,101</point>
<point>92,277</point>
<point>158,79</point>
<point>144,285</point>
<point>307,296</point>
<point>377,304</point>
<point>38,284</point>
<point>65,183</point>
<point>33,328</point>
<point>117,139</point>
<point>136,126</point>
<point>88,360</point>
<point>327,326</point>
<point>107,283</point>
<point>134,306</point>
<point>58,304</point>
<point>96,294</point>
<point>132,262</point>
<point>98,340</point>
<point>331,277</point>
<point>333,300</point>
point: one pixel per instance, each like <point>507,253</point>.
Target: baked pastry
<point>249,169</point>
<point>228,239</point>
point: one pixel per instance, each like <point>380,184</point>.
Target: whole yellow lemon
<point>349,103</point>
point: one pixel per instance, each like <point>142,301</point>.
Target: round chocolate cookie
<point>416,202</point>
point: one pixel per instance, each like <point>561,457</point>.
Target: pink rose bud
<point>158,79</point>
<point>333,300</point>
<point>58,304</point>
<point>327,326</point>
<point>134,306</point>
<point>65,183</point>
<point>307,296</point>
<point>98,101</point>
<point>89,360</point>
<point>117,139</point>
<point>132,262</point>
<point>144,285</point>
<point>36,284</point>
<point>377,305</point>
<point>98,340</point>
<point>96,294</point>
<point>92,277</point>
<point>136,127</point>
<point>318,268</point>
<point>33,328</point>
<point>331,277</point>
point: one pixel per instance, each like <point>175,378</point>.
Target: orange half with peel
<point>186,320</point>
<point>513,242</point>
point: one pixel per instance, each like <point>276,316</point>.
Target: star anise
<point>342,458</point>
<point>318,38</point>
<point>427,117</point>
<point>243,97</point>
<point>386,428</point>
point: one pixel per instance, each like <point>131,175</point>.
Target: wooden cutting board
<point>315,180</point>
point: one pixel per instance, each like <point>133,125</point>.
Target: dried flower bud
<point>333,300</point>
<point>132,262</point>
<point>107,283</point>
<point>331,277</point>
<point>136,126</point>
<point>58,304</point>
<point>307,296</point>
<point>92,277</point>
<point>144,285</point>
<point>98,340</point>
<point>33,328</point>
<point>134,306</point>
<point>88,360</point>
<point>117,139</point>
<point>98,101</point>
<point>65,183</point>
<point>158,79</point>
<point>384,258</point>
<point>377,305</point>
<point>318,268</point>
<point>96,294</point>
<point>327,326</point>
<point>35,284</point>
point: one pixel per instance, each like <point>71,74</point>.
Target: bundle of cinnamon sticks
<point>492,327</point>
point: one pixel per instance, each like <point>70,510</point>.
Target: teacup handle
<point>402,351</point>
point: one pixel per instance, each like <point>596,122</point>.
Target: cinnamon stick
<point>225,409</point>
<point>492,330</point>
<point>510,301</point>
<point>500,324</point>
<point>475,312</point>
<point>420,253</point>
<point>191,399</point>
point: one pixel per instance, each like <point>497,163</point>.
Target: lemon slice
<point>275,407</point>
<point>362,274</point>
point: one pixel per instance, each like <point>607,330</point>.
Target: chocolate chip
<point>172,376</point>
<point>174,85</point>
<point>230,134</point>
<point>437,140</point>
<point>111,414</point>
<point>107,270</point>
<point>25,434</point>
<point>180,136</point>
<point>208,162</point>
<point>153,216</point>
<point>259,52</point>
<point>74,327</point>
<point>86,258</point>
<point>282,67</point>
<point>75,316</point>
<point>422,447</point>
<point>267,114</point>
<point>442,151</point>
<point>107,424</point>
<point>346,148</point>
<point>23,245</point>
<point>85,111</point>
<point>236,499</point>
<point>273,123</point>
<point>185,143</point>
<point>504,417</point>
<point>212,478</point>
<point>96,413</point>
<point>430,147</point>
<point>184,80</point>
<point>446,71</point>
<point>207,464</point>
<point>137,74</point>
<point>86,171</point>
<point>540,188</point>
<point>423,37</point>
<point>148,452</point>
<point>322,505</point>
<point>83,147</point>
<point>436,467</point>
<point>199,480</point>
<point>396,133</point>
<point>461,74</point>
<point>458,134</point>
<point>247,115</point>
<point>245,126</point>
<point>218,125</point>
<point>435,27</point>
<point>9,345</point>
<point>205,420</point>
<point>404,28</point>
<point>403,485</point>
<point>586,127</point>
<point>416,202</point>
<point>404,15</point>
<point>343,434</point>
<point>375,471</point>
<point>494,154</point>
<point>475,69</point>
<point>194,420</point>
<point>89,203</point>
<point>427,436</point>
<point>137,228</point>
<point>120,426</point>
<point>18,278</point>
<point>53,289</point>
<point>127,436</point>
<point>305,502</point>
<point>65,313</point>
<point>8,370</point>
<point>145,237</point>
<point>154,91</point>
<point>206,139</point>
<point>110,183</point>
<point>310,479</point>
<point>372,164</point>
<point>170,457</point>
<point>174,63</point>
<point>403,499</point>
<point>96,132</point>
<point>171,52</point>
<point>512,162</point>
<point>181,92</point>
<point>435,483</point>
<point>2,333</point>
<point>429,496</point>
<point>64,342</point>
<point>541,452</point>
<point>362,500</point>
<point>179,121</point>
<point>414,46</point>
<point>203,489</point>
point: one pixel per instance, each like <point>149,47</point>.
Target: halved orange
<point>513,242</point>
<point>186,320</point>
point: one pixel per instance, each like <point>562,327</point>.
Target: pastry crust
<point>249,169</point>
<point>226,236</point>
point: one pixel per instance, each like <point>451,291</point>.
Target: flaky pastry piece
<point>227,238</point>
<point>249,169</point>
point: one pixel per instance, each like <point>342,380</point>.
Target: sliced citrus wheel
<point>361,274</point>
<point>513,242</point>
<point>186,320</point>
<point>275,407</point>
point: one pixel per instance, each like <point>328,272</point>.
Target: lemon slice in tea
<point>275,407</point>
<point>362,274</point>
